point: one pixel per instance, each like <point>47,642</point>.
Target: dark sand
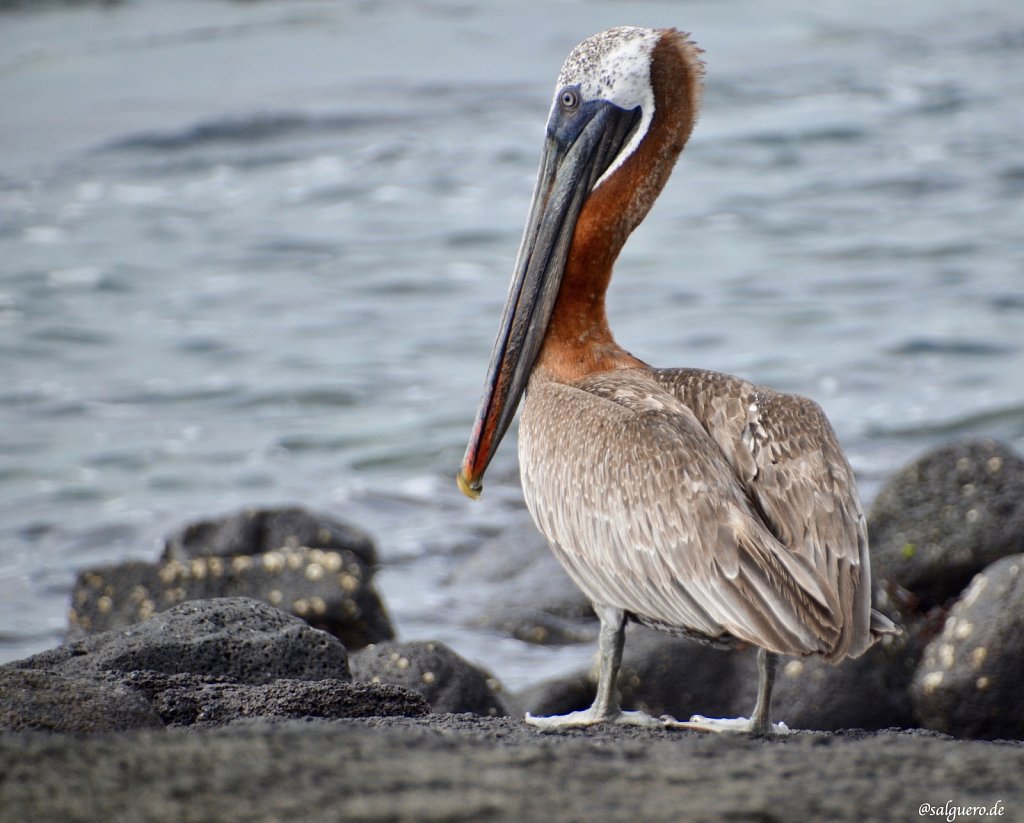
<point>467,768</point>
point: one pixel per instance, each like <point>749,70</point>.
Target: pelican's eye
<point>569,99</point>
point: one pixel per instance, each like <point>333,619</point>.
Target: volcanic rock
<point>314,567</point>
<point>969,681</point>
<point>946,517</point>
<point>448,681</point>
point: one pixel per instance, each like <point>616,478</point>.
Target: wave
<point>953,347</point>
<point>247,128</point>
<point>1006,422</point>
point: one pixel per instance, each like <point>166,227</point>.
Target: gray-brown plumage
<point>701,504</point>
<point>695,502</point>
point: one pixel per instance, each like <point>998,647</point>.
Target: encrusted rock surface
<point>449,682</point>
<point>946,517</point>
<point>310,565</point>
<point>971,678</point>
<point>255,531</point>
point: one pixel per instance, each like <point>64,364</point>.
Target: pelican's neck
<point>578,340</point>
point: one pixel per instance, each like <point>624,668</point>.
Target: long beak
<point>577,152</point>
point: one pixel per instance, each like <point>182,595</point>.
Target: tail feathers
<point>882,625</point>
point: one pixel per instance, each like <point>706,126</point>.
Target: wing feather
<point>787,457</point>
<point>648,512</point>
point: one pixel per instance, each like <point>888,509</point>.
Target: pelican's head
<point>610,70</point>
<point>605,134</point>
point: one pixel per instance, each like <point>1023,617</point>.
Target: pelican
<point>693,502</point>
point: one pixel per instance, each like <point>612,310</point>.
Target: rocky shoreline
<point>447,767</point>
<point>252,673</point>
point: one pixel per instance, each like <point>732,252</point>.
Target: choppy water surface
<point>255,254</point>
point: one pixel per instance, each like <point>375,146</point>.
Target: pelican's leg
<point>767,665</point>
<point>606,704</point>
<point>760,723</point>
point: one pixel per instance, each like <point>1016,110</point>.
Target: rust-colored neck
<point>578,341</point>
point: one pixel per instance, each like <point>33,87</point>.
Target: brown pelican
<point>690,501</point>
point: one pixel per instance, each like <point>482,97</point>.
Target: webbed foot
<point>735,725</point>
<point>592,717</point>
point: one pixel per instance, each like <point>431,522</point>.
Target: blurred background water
<point>255,252</point>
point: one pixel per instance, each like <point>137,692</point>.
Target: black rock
<point>444,678</point>
<point>203,663</point>
<point>869,692</point>
<point>46,701</point>
<point>190,700</point>
<point>538,627</point>
<point>520,589</point>
<point>239,638</point>
<point>969,681</point>
<point>946,517</point>
<point>560,695</point>
<point>659,675</point>
<point>256,531</point>
<point>314,567</point>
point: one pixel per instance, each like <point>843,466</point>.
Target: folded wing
<point>677,509</point>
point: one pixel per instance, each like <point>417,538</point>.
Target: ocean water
<point>255,253</point>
